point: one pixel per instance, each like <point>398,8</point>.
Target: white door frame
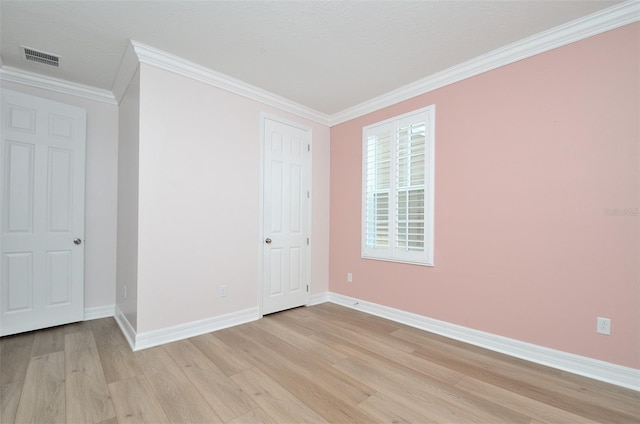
<point>263,117</point>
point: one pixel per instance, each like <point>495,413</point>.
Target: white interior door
<point>42,160</point>
<point>286,219</point>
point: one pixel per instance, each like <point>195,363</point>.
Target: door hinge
<point>307,241</point>
<point>308,147</point>
<point>307,287</point>
<point>308,195</point>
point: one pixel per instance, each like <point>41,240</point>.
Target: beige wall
<point>127,272</point>
<point>199,208</point>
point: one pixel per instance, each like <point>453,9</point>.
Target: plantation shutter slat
<point>410,158</point>
<point>378,183</point>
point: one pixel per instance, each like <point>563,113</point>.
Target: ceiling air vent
<point>33,55</point>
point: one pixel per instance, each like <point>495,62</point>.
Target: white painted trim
<point>576,364</point>
<point>127,329</point>
<point>98,312</point>
<point>599,22</point>
<point>19,76</point>
<point>126,71</point>
<point>260,280</point>
<point>195,328</point>
<point>579,29</point>
<point>319,298</point>
<point>162,60</point>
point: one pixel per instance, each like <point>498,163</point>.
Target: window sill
<point>400,261</point>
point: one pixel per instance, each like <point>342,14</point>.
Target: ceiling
<point>325,55</point>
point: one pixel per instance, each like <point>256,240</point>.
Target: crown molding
<point>168,62</point>
<point>597,23</point>
<point>31,79</point>
<point>127,69</point>
<point>579,29</point>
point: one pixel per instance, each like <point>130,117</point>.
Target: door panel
<point>18,276</point>
<point>275,264</point>
<point>286,274</point>
<point>19,167</point>
<point>60,190</point>
<point>42,154</point>
<point>59,277</point>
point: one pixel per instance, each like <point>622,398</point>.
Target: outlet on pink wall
<point>537,193</point>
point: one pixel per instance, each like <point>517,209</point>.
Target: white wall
<point>199,208</point>
<point>127,257</point>
<point>101,194</point>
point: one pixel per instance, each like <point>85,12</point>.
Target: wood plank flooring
<point>319,364</point>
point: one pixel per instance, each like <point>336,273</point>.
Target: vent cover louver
<point>33,55</point>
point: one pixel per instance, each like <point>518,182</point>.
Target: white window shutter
<point>410,187</point>
<point>378,172</point>
<point>397,213</point>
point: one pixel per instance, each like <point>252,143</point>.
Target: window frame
<point>392,252</point>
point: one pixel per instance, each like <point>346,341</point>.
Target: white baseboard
<point>98,312</point>
<point>319,298</point>
<point>576,364</point>
<point>125,326</point>
<point>190,329</point>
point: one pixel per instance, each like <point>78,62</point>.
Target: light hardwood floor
<point>319,364</point>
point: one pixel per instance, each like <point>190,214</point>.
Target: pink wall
<point>528,159</point>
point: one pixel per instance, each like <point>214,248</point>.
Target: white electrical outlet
<point>349,277</point>
<point>603,326</point>
<point>222,290</point>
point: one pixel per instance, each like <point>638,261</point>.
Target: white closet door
<point>42,173</point>
<point>286,264</point>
